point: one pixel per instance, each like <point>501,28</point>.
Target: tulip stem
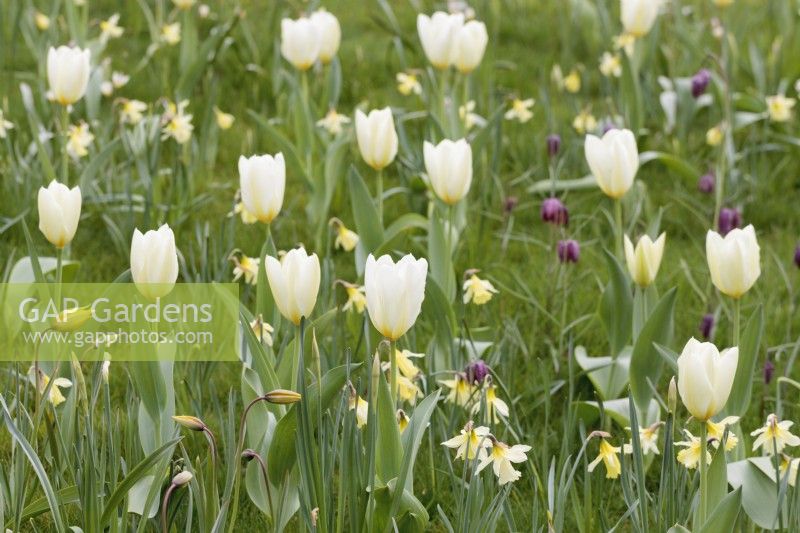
<point>393,370</point>
<point>703,511</point>
<point>380,197</point>
<point>620,231</point>
<point>737,312</point>
<point>59,275</point>
<point>65,144</point>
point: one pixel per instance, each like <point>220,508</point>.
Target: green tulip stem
<point>393,371</point>
<point>379,197</point>
<point>59,275</point>
<point>703,511</point>
<point>65,143</point>
<point>737,314</point>
<point>618,224</point>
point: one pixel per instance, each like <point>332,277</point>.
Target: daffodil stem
<point>620,231</point>
<point>737,313</point>
<point>776,460</point>
<point>703,511</point>
<point>380,197</point>
<point>393,370</point>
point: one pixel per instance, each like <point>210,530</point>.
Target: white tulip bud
<point>330,34</point>
<point>614,161</point>
<point>470,44</point>
<point>262,180</point>
<point>638,16</point>
<point>294,282</point>
<point>394,292</point>
<point>68,70</point>
<point>734,260</point>
<point>449,168</point>
<point>154,262</point>
<point>438,35</point>
<point>300,42</point>
<point>644,260</point>
<point>59,212</point>
<point>705,377</point>
<point>377,138</point>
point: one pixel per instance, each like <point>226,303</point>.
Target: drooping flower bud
<point>769,370</point>
<point>700,82</point>
<point>797,256</point>
<point>477,371</point>
<point>282,396</point>
<point>707,326</point>
<point>672,395</point>
<point>509,204</point>
<point>569,251</point>
<point>182,478</point>
<point>554,212</point>
<point>706,183</point>
<point>729,219</point>
<point>190,422</point>
<point>553,144</point>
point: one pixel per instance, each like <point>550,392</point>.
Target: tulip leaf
<point>191,68</point>
<point>717,479</point>
<point>402,224</point>
<point>617,410</point>
<point>724,515</point>
<point>616,306</point>
<point>759,498</point>
<point>389,449</point>
<point>609,375</point>
<point>646,365</point>
<point>440,257</point>
<point>739,399</point>
<point>672,162</point>
<point>578,184</point>
<point>365,214</point>
<point>280,143</point>
<point>282,455</point>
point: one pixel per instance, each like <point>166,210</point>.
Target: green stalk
<point>393,377</point>
<point>703,511</point>
<point>737,312</point>
<point>620,231</point>
<point>379,197</point>
<point>64,144</point>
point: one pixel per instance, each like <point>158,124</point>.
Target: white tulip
<point>734,260</point>
<point>68,70</point>
<point>59,212</point>
<point>449,167</point>
<point>300,42</point>
<point>638,16</point>
<point>644,260</point>
<point>294,282</point>
<point>154,262</point>
<point>470,44</point>
<point>705,377</point>
<point>614,161</point>
<point>330,34</point>
<point>438,35</point>
<point>394,293</point>
<point>377,138</point>
<point>262,179</point>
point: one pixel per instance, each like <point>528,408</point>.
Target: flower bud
<point>59,212</point>
<point>554,212</point>
<point>154,262</point>
<point>469,44</point>
<point>72,319</point>
<point>190,422</point>
<point>707,326</point>
<point>282,397</point>
<point>68,70</point>
<point>706,183</point>
<point>394,292</point>
<point>729,218</point>
<point>569,251</point>
<point>705,378</point>
<point>377,138</point>
<point>769,370</point>
<point>613,161</point>
<point>329,33</point>
<point>797,256</point>
<point>509,204</point>
<point>477,371</point>
<point>553,144</point>
<point>182,478</point>
<point>438,34</point>
<point>700,82</point>
<point>734,261</point>
<point>294,282</point>
<point>449,168</point>
<point>262,179</point>
<point>638,16</point>
<point>672,395</point>
<point>644,260</point>
<point>300,42</point>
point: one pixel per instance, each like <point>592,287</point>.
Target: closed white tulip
<point>613,160</point>
<point>470,44</point>
<point>438,35</point>
<point>394,293</point>
<point>154,262</point>
<point>377,138</point>
<point>59,212</point>
<point>449,167</point>
<point>262,179</point>
<point>330,34</point>
<point>300,42</point>
<point>705,377</point>
<point>645,259</point>
<point>734,260</point>
<point>638,16</point>
<point>294,282</point>
<point>68,70</point>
